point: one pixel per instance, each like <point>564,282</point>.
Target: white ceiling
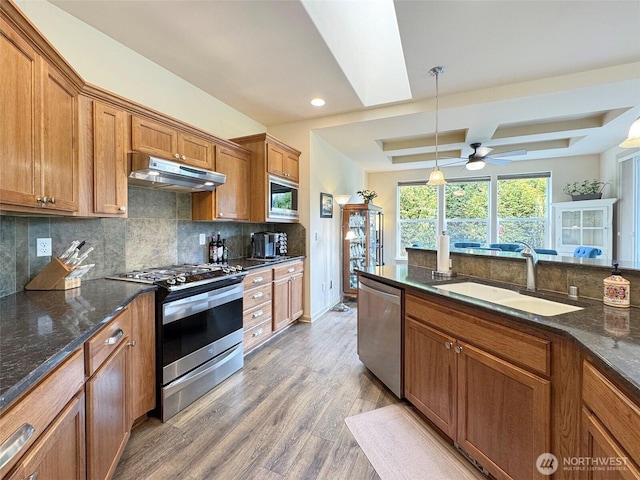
<point>559,78</point>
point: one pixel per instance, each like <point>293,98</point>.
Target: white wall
<point>564,170</point>
<point>103,62</point>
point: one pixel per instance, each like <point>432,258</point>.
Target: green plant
<point>586,187</point>
<point>367,195</point>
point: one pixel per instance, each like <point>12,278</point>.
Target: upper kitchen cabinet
<point>272,159</point>
<point>231,200</point>
<point>38,121</point>
<point>156,138</point>
<point>103,166</point>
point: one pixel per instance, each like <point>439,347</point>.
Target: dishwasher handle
<point>388,297</point>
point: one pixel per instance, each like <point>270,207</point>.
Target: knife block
<point>53,277</point>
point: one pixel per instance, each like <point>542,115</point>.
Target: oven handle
<point>202,370</point>
<point>185,307</point>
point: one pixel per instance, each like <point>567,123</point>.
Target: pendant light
<point>436,177</point>
<point>633,141</point>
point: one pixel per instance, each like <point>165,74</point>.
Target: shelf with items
<point>362,226</point>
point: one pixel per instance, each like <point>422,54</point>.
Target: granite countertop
<point>39,329</point>
<point>612,335</point>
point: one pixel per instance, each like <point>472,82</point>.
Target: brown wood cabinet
<point>269,156</point>
<point>155,138</point>
<point>468,377</point>
<point>143,355</point>
<point>257,308</point>
<point>287,293</point>
<point>231,200</point>
<point>38,130</point>
<point>610,429</point>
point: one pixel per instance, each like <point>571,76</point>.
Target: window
<point>522,212</point>
<point>467,210</point>
<point>417,216</point>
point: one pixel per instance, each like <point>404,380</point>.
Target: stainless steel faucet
<point>532,260</point>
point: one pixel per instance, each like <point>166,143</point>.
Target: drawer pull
<point>291,269</point>
<point>33,476</point>
<point>447,345</point>
<point>113,340</point>
<point>132,343</point>
<point>12,445</point>
<point>257,295</point>
<point>458,349</point>
<point>258,332</point>
<point>258,280</point>
<point>259,313</point>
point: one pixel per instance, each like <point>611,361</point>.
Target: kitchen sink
<point>509,298</point>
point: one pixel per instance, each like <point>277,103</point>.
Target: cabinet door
<point>296,296</point>
<point>430,374</point>
<point>275,160</point>
<point>281,303</point>
<point>503,414</point>
<point>60,452</point>
<point>109,160</point>
<point>19,119</point>
<point>143,355</point>
<point>232,198</point>
<point>153,138</point>
<point>108,417</point>
<point>195,151</point>
<point>292,167</point>
<point>60,174</point>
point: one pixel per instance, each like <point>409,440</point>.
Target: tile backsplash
<point>158,231</point>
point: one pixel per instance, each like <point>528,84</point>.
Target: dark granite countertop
<point>611,335</point>
<point>250,263</point>
<point>39,329</point>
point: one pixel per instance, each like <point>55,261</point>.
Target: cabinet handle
<point>43,200</point>
<point>257,295</point>
<point>258,332</point>
<point>291,269</point>
<point>33,476</point>
<point>132,343</point>
<point>259,313</point>
<point>458,349</point>
<point>258,280</point>
<point>113,340</point>
<point>177,156</point>
<point>447,345</point>
<point>52,200</point>
<point>122,208</point>
<point>183,157</point>
<point>12,445</point>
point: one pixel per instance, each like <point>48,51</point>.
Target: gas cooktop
<point>177,277</point>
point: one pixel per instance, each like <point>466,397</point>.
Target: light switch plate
<point>43,247</point>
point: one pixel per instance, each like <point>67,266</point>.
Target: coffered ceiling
<point>557,78</point>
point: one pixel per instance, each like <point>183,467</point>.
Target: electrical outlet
<point>43,247</point>
<point>203,239</point>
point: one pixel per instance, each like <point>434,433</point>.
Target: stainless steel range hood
<point>148,171</point>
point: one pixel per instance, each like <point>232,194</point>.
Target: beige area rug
<point>401,446</point>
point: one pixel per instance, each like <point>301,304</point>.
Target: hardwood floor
<point>281,417</point>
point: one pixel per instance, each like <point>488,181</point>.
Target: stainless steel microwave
<point>283,198</point>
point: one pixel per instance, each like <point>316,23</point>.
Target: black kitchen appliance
<point>199,330</point>
<point>264,245</point>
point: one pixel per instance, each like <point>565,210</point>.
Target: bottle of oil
<point>219,249</point>
<point>212,251</point>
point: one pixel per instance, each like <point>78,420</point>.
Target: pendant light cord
<point>436,72</point>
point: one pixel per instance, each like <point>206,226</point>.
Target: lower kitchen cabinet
<point>257,308</point>
<point>287,293</point>
<point>610,429</point>
<point>60,452</point>
<point>143,355</point>
<point>465,383</point>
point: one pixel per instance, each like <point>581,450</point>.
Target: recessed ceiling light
<point>317,102</point>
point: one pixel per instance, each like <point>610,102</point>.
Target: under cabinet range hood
<point>148,171</point>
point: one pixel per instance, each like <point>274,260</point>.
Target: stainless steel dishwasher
<point>380,332</point>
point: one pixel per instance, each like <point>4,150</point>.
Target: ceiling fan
<point>480,156</point>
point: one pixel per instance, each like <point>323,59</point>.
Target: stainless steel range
<point>198,329</point>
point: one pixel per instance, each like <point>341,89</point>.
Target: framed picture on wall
<point>326,205</point>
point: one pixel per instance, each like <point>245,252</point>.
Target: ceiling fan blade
<point>497,161</point>
<point>483,151</point>
<point>511,153</point>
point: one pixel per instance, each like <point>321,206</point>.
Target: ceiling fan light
<point>633,141</point>
<point>475,164</point>
<point>436,177</point>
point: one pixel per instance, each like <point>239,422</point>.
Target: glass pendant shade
<point>633,141</point>
<point>436,177</point>
<point>475,164</point>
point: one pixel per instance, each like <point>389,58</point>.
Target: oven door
<point>197,328</point>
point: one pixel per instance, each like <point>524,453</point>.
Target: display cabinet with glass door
<point>363,228</point>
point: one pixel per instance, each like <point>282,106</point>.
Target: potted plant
<point>367,195</point>
<point>585,190</point>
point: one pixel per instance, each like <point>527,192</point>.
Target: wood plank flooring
<point>280,418</point>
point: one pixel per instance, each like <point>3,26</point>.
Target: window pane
<point>522,211</point>
<point>417,210</point>
<point>467,211</point>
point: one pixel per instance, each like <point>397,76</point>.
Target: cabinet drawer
<point>106,341</point>
<point>288,269</point>
<point>518,347</point>
<point>256,296</point>
<point>257,334</point>
<point>42,404</point>
<point>256,315</point>
<point>616,411</point>
<point>258,277</point>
